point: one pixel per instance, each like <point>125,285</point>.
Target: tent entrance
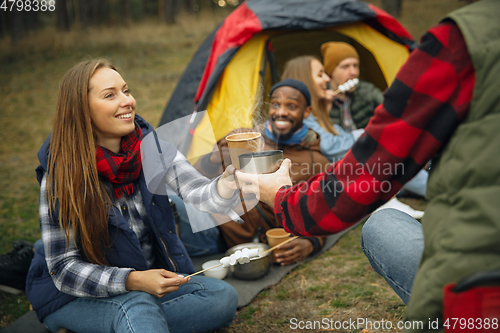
<point>293,44</point>
<point>380,57</point>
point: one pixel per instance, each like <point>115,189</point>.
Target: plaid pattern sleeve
<point>196,189</point>
<point>69,272</point>
<point>429,98</point>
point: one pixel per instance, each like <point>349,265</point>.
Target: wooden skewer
<point>206,269</point>
<point>274,247</point>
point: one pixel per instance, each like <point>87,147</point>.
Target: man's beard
<point>290,133</point>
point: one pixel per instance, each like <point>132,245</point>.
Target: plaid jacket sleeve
<point>69,272</point>
<point>196,189</point>
<point>429,98</point>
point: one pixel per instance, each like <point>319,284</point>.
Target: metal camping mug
<point>261,162</point>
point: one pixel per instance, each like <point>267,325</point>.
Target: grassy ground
<point>151,57</point>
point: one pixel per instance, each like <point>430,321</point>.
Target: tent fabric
<point>235,31</point>
<point>390,27</point>
<point>292,15</point>
<point>384,50</point>
<point>182,99</point>
<point>316,14</point>
<point>234,99</point>
<point>237,87</point>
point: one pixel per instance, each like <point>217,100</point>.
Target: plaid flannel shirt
<point>429,98</point>
<point>80,278</point>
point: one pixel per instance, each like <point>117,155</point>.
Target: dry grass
<point>152,56</point>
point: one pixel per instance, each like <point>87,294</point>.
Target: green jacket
<point>462,220</point>
<point>364,100</point>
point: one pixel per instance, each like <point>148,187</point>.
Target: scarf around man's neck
<point>122,169</point>
<point>296,138</point>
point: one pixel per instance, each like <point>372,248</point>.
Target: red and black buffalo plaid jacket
<point>429,98</point>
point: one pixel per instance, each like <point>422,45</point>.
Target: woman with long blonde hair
<point>111,260</point>
<point>335,142</point>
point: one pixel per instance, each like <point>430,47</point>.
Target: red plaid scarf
<point>122,169</point>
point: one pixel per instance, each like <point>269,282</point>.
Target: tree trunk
<point>393,7</point>
<point>161,9</point>
<point>17,28</point>
<point>62,15</point>
<point>3,24</point>
<point>30,20</point>
<point>72,15</point>
<point>125,12</point>
<point>97,15</point>
<point>84,15</point>
<point>170,11</point>
<point>189,6</point>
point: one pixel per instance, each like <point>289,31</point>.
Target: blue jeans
<point>199,243</point>
<point>203,304</point>
<point>393,242</point>
<point>418,184</point>
<point>38,244</point>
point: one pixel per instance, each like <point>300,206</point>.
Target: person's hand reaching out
<point>297,250</point>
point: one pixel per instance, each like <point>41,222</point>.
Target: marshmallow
<point>232,259</point>
<point>240,257</point>
<point>225,262</point>
<point>348,85</point>
<point>253,253</point>
<point>245,258</point>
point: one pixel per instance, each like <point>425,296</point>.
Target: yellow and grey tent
<point>231,73</point>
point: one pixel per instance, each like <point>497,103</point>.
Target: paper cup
<point>242,143</point>
<point>274,237</point>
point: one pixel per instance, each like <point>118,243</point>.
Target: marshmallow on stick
<point>243,256</point>
<point>239,257</point>
<point>347,86</point>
